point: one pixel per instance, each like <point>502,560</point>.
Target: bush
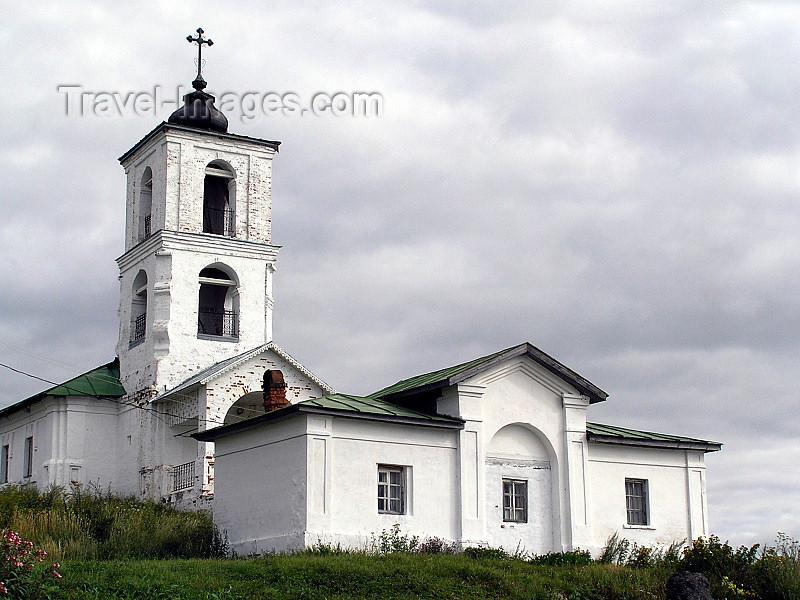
<point>487,553</point>
<point>619,551</point>
<point>558,559</point>
<point>437,545</point>
<point>392,541</point>
<point>717,560</point>
<point>21,576</point>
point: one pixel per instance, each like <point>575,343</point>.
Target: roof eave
<point>449,423</point>
<point>698,445</point>
<point>210,435</point>
<point>164,126</point>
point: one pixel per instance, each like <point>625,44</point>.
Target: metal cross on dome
<point>199,83</point>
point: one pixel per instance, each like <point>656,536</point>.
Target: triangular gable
<point>102,381</point>
<point>211,373</point>
<point>459,373</point>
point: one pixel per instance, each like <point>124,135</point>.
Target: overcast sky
<point>615,182</point>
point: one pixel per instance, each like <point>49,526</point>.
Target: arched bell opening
<point>219,199</point>
<point>145,204</point>
<point>218,302</point>
<point>138,309</point>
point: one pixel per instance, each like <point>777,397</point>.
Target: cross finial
<point>199,83</point>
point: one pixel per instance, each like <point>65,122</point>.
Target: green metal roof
<point>372,406</point>
<point>102,381</point>
<point>451,375</point>
<point>344,405</point>
<point>595,432</point>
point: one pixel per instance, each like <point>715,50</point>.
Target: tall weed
<point>88,524</point>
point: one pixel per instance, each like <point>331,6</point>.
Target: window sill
<point>136,343</point>
<point>645,527</point>
<point>217,338</point>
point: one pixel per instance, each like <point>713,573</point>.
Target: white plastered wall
<point>260,502</point>
<point>676,494</point>
<point>313,478</point>
<point>343,507</point>
<point>74,440</point>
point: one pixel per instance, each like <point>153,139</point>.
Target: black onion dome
<point>198,110</point>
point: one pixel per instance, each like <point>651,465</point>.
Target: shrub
<point>776,573</point>
<point>615,551</point>
<point>20,575</point>
<point>557,559</point>
<point>437,545</point>
<point>716,559</point>
<point>486,553</point>
<point>392,541</point>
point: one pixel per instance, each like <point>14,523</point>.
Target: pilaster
<point>575,522</point>
<point>464,401</point>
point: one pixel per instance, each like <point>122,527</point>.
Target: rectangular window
<point>391,490</point>
<point>515,500</point>
<point>28,463</point>
<point>636,501</point>
<point>4,465</point>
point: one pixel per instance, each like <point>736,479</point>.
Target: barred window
<point>515,500</point>
<point>636,501</point>
<point>391,490</point>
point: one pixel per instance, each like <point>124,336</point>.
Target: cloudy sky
<point>616,182</point>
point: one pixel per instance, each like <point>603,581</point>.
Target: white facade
<point>70,442</point>
<point>515,422</point>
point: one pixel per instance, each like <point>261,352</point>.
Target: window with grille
<point>636,501</point>
<point>515,500</point>
<point>391,490</point>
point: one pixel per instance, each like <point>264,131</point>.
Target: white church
<point>202,409</point>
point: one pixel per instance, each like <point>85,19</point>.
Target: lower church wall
<point>428,463</point>
<point>73,442</point>
<point>260,498</point>
<point>674,481</point>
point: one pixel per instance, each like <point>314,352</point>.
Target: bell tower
<point>196,275</point>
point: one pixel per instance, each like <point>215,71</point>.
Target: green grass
<point>84,524</point>
<point>107,546</point>
<point>354,575</point>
